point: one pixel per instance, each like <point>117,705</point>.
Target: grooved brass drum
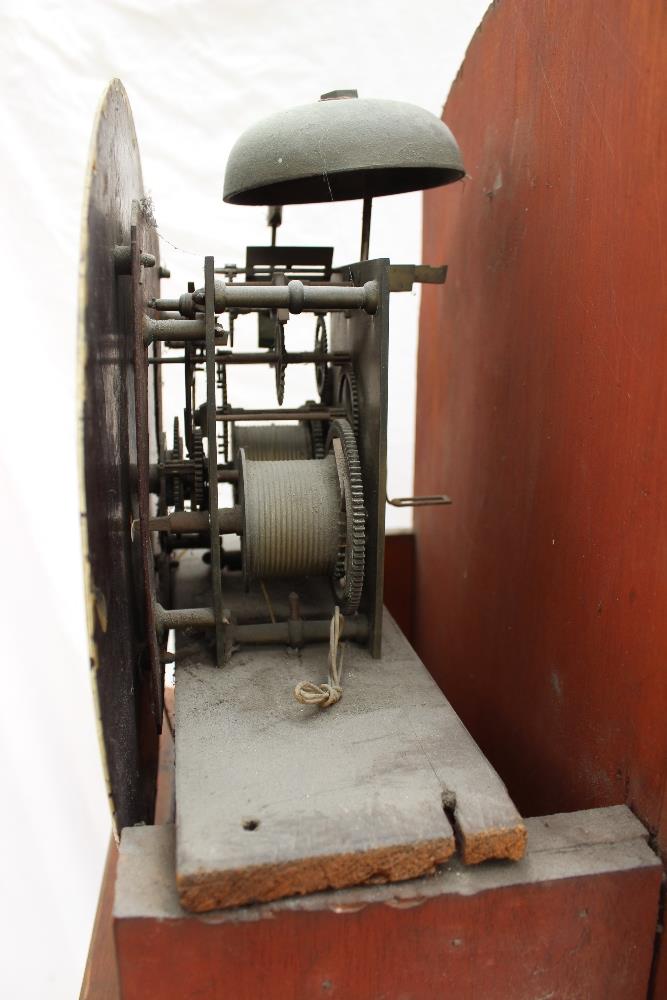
<point>292,524</point>
<point>273,442</point>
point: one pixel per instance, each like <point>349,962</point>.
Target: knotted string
<point>325,695</point>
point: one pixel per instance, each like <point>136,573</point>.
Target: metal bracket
<point>437,500</point>
<point>403,276</point>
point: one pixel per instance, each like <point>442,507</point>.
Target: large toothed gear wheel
<point>348,396</point>
<point>198,459</point>
<point>221,382</point>
<point>318,431</point>
<point>323,371</point>
<point>163,455</point>
<point>317,437</point>
<point>175,493</point>
<point>279,363</point>
<point>349,575</point>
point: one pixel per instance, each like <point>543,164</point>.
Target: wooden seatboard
<point>100,980</point>
<point>276,799</point>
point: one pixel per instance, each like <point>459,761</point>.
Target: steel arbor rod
<point>292,632</point>
<point>230,521</point>
<point>330,413</point>
<point>216,569</point>
<point>264,358</point>
<point>295,296</point>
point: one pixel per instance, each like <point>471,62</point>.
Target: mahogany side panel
<point>542,395</point>
<point>100,978</point>
<point>399,580</point>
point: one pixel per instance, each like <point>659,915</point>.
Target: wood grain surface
<point>276,798</point>
<point>100,981</point>
<point>399,580</point>
<point>100,978</point>
<point>575,918</point>
<point>542,379</point>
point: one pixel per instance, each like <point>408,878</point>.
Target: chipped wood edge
<point>501,843</point>
<point>264,883</point>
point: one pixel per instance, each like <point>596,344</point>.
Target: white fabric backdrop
<point>197,74</point>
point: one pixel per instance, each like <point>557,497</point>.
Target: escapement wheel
<point>279,364</point>
<point>347,396</point>
<point>323,370</point>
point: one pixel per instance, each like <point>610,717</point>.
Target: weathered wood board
<point>276,799</point>
<point>574,918</point>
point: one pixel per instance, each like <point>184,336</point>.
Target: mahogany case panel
<point>542,392</point>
